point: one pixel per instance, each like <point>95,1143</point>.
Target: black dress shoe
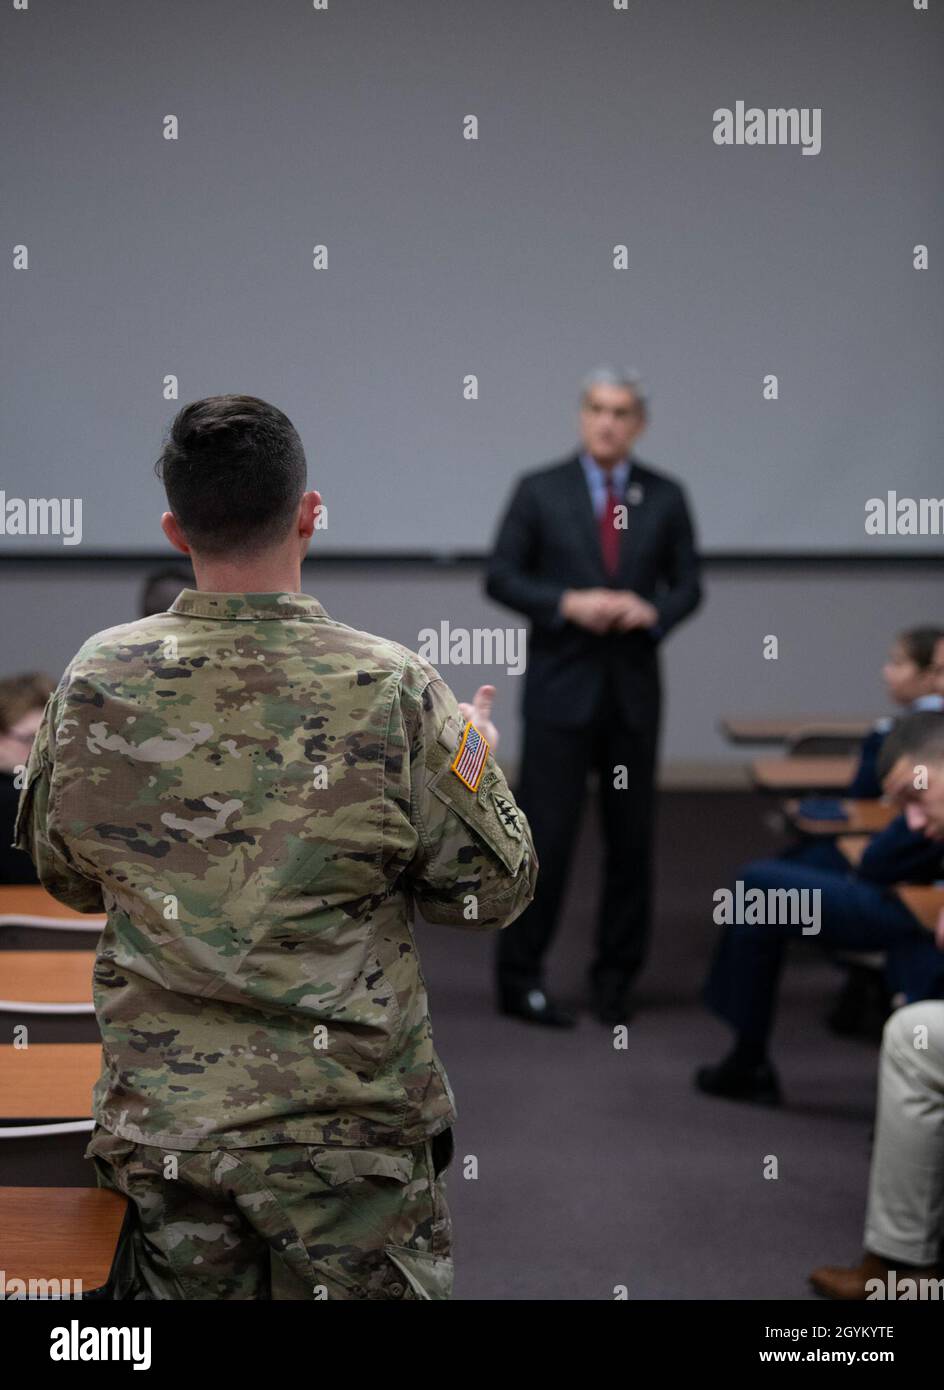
<point>737,1081</point>
<point>534,1006</point>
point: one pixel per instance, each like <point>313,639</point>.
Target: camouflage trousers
<point>293,1222</point>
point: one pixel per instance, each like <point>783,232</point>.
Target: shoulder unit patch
<point>508,814</point>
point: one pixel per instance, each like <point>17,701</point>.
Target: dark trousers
<point>818,852</point>
<point>555,767</point>
<point>855,915</point>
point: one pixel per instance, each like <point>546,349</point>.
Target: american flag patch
<point>470,759</point>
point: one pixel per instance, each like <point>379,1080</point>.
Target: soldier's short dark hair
<point>234,471</point>
<point>919,736</point>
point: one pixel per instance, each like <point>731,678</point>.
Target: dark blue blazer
<point>865,784</point>
<point>900,855</point>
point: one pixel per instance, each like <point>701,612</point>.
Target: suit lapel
<point>635,499</point>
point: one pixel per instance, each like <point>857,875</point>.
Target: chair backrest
<point>46,982</point>
<point>45,1082</point>
<point>46,1131</point>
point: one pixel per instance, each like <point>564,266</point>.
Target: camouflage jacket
<point>256,794</point>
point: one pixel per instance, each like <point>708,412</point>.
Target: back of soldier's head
<point>234,471</point>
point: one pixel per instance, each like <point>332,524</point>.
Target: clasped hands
<point>608,610</point>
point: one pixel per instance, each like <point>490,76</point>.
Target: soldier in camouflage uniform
<point>257,794</point>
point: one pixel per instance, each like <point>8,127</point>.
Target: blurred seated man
<point>904,1222</point>
<point>855,911</point>
<point>22,701</point>
<point>912,676</point>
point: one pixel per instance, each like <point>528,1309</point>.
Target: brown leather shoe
<point>835,1281</point>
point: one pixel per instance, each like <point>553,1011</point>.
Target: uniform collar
<point>196,603</point>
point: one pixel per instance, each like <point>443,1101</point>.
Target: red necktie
<point>609,535</point>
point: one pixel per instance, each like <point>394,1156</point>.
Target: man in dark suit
<point>598,551</point>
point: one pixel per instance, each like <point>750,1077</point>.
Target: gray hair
<point>624,377</point>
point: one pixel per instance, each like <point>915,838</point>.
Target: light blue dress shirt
<point>888,721</point>
<point>596,480</point>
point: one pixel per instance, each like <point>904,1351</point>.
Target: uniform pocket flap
<point>338,1166</point>
<point>490,811</point>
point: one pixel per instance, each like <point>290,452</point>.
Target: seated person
<point>904,1221</point>
<point>914,681</point>
<point>904,1224</point>
<point>856,911</point>
<point>22,701</point>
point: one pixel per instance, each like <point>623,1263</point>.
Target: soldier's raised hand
<point>480,714</point>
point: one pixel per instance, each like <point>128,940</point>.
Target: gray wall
<point>343,126</point>
<point>193,257</point>
<point>833,621</point>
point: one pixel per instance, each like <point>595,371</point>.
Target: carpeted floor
<point>599,1168</point>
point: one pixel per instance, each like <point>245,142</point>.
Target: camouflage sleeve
<point>475,866</point>
<point>36,833</point>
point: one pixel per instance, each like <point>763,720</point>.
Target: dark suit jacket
<point>900,855</point>
<point>548,542</point>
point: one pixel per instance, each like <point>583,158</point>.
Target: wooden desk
<point>32,906</point>
<point>780,730</point>
<point>799,775</point>
<point>862,818</point>
<point>48,1081</point>
<point>852,848</point>
<point>60,1233</point>
<point>925,901</point>
<point>47,978</point>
